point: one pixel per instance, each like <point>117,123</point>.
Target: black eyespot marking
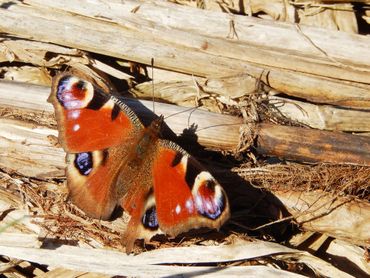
<point>192,171</point>
<point>80,85</point>
<point>177,159</point>
<point>84,163</point>
<point>115,112</point>
<point>150,220</point>
<point>210,184</point>
<point>98,100</point>
<point>105,154</point>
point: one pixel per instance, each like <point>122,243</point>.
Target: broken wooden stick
<point>309,145</point>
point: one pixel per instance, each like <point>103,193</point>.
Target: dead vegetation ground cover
<point>310,216</point>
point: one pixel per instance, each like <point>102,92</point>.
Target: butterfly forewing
<point>89,119</point>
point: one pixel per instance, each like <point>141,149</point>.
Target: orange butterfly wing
<point>92,126</point>
<point>187,196</point>
<point>89,119</point>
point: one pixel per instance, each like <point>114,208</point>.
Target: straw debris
<point>273,96</point>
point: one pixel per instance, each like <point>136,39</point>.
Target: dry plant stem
<point>136,37</point>
<point>36,53</point>
<point>7,267</point>
<point>27,150</point>
<point>322,198</point>
<point>166,261</point>
<point>338,179</point>
<point>338,217</point>
<point>309,145</point>
<point>177,16</point>
<point>324,117</point>
<point>63,272</point>
<point>343,218</point>
<point>330,1</point>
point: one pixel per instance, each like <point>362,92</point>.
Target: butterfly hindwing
<point>187,196</point>
<point>90,181</point>
<point>177,195</point>
<point>144,222</point>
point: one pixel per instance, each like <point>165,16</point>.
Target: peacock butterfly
<point>112,159</point>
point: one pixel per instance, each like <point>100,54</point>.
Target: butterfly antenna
<point>152,64</point>
<point>191,109</point>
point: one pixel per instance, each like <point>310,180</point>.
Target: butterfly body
<point>113,160</point>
